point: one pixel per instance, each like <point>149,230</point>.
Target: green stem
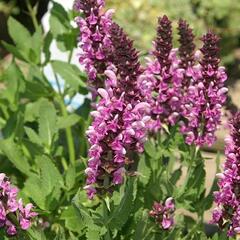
<point>32,14</point>
<point>69,135</point>
<point>105,215</point>
<point>70,56</point>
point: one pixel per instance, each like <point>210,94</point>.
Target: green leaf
<point>152,150</point>
<point>93,232</point>
<point>85,109</point>
<point>73,219</point>
<point>176,176</point>
<point>15,155</point>
<point>141,226</point>
<point>47,122</point>
<point>20,36</point>
<point>36,234</point>
<point>32,111</point>
<point>121,212</point>
<point>59,14</point>
<point>37,86</point>
<point>68,121</point>
<point>33,136</point>
<point>63,32</point>
<point>71,74</point>
<point>50,176</point>
<point>36,45</point>
<point>70,177</point>
<point>14,50</point>
<point>33,189</point>
<point>46,46</point>
<point>144,170</point>
<point>44,188</point>
<point>193,189</point>
<point>14,83</point>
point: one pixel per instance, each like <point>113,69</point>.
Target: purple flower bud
<point>163,213</point>
<point>187,46</point>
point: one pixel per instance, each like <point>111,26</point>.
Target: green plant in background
<point>41,141</point>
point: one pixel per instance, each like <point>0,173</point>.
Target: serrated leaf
<point>71,74</point>
<point>93,232</point>
<point>50,176</point>
<point>36,234</point>
<point>33,189</point>
<point>32,111</point>
<point>15,155</point>
<point>68,121</point>
<point>193,189</point>
<point>176,176</point>
<point>47,122</point>
<point>70,177</point>
<point>121,212</point>
<point>141,226</point>
<point>144,171</point>
<point>150,149</point>
<point>73,220</point>
<point>33,136</point>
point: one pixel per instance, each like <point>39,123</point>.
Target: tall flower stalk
<point>94,40</point>
<point>161,81</point>
<point>227,198</point>
<point>205,96</point>
<point>187,46</point>
<point>119,121</point>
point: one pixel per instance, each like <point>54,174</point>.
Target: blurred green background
<point>139,18</point>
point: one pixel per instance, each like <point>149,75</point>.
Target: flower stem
<point>69,135</point>
<point>105,214</point>
<point>32,14</point>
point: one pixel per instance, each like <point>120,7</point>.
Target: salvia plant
<point>127,162</point>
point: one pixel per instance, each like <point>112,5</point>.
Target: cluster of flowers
<point>13,214</point>
<point>178,85</point>
<point>205,95</point>
<point>94,38</point>
<point>189,88</point>
<point>117,130</point>
<point>227,198</point>
<point>119,120</point>
<point>161,81</point>
<point>163,213</point>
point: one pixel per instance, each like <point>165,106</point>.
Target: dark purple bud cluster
<point>187,46</point>
<point>163,42</point>
<point>125,59</point>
